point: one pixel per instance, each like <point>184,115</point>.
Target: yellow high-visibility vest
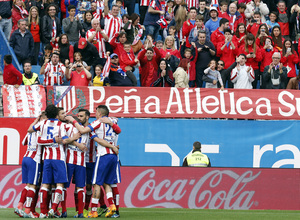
<point>197,159</point>
<point>31,81</point>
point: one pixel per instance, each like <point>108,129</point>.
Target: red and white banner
<point>184,187</point>
<point>25,101</point>
<point>180,103</point>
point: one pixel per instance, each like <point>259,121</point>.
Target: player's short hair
<point>51,111</point>
<point>197,145</point>
<point>8,59</point>
<point>59,109</point>
<point>103,109</point>
<point>87,112</point>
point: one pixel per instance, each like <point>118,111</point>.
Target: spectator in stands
<point>51,26</point>
<point>33,22</point>
<point>72,25</point>
<point>54,71</point>
<point>273,20</point>
<point>164,77</point>
<point>223,6</point>
<point>213,23</point>
<point>18,12</point>
<point>289,58</point>
<point>29,78</point>
<point>253,53</point>
<point>241,7</point>
<point>143,9</point>
<point>256,6</point>
<point>33,3</point>
<point>99,78</point>
<point>227,50</point>
<point>128,60</point>
<point>169,15</point>
<point>202,10</point>
<point>225,73</point>
<point>87,22</point>
<point>262,35</point>
<point>118,77</point>
<point>88,51</point>
<point>242,75</point>
<point>192,55</point>
<point>294,23</point>
<point>283,18</point>
<point>11,76</point>
<point>149,58</point>
<point>212,72</point>
<point>254,24</point>
<point>172,32</point>
<point>118,45</point>
<point>206,50</point>
<point>169,48</point>
<point>133,29</point>
<point>218,35</point>
<point>5,18</point>
<point>294,83</point>
<point>112,21</point>
<point>47,52</point>
<point>178,21</point>
<point>66,50</point>
<point>180,75</point>
<point>154,13</point>
<point>240,35</point>
<point>97,37</point>
<point>78,58</point>
<point>234,17</point>
<point>80,76</point>
<point>22,42</point>
<point>193,37</point>
<point>275,75</point>
<point>277,38</point>
<point>82,7</point>
<point>189,25</point>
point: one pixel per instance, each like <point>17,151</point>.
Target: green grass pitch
<point>189,214</point>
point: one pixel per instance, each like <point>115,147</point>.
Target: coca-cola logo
<point>216,189</point>
<point>9,196</point>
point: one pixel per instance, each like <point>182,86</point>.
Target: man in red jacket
<point>11,76</point>
<point>149,59</point>
<point>218,35</point>
<point>189,25</point>
<point>234,17</point>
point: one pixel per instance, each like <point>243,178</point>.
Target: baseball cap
<point>213,9</point>
<point>82,43</point>
<point>114,55</point>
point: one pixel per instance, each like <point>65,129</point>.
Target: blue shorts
<point>89,172</point>
<point>54,171</point>
<point>31,171</point>
<point>105,170</point>
<point>78,173</point>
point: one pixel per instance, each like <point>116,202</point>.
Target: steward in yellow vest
<point>196,158</point>
<point>29,78</point>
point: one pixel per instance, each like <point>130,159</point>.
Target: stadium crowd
<point>61,150</point>
<point>182,43</point>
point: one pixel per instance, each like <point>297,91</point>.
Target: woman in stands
<point>65,48</point>
<point>18,12</point>
<point>277,38</point>
<point>240,35</point>
<point>164,76</point>
<point>132,27</point>
<point>253,54</point>
<point>87,22</point>
<point>289,58</point>
<point>169,48</point>
<point>34,28</point>
<point>262,35</point>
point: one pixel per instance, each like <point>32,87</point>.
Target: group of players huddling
<point>59,149</point>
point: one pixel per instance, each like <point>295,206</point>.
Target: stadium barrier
<point>166,142</point>
<point>146,102</point>
<point>186,187</point>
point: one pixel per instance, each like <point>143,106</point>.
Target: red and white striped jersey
<point>97,16</point>
<point>144,2</point>
<point>54,74</point>
<point>54,29</point>
<point>192,3</point>
<point>112,25</point>
<point>74,154</point>
<point>98,41</point>
<point>49,129</point>
<point>90,156</point>
<point>33,149</point>
<point>100,8</point>
<point>105,132</point>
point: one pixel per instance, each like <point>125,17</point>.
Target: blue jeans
<point>152,30</point>
<point>6,26</point>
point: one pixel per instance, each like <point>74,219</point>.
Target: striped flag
<point>106,67</point>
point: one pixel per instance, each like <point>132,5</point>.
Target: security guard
<point>29,78</point>
<point>196,158</point>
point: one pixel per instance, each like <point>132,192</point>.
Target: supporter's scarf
<point>23,11</point>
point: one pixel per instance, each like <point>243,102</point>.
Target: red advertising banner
<point>151,102</point>
<point>25,101</point>
<point>183,187</point>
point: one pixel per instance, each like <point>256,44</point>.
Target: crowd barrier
<point>149,102</point>
<point>166,142</point>
<point>186,187</point>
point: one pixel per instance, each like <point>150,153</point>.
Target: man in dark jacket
<point>5,17</point>
<point>22,42</point>
<point>51,26</point>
